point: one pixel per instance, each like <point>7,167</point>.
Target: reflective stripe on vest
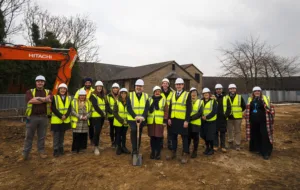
<point>75,107</point>
<point>157,116</point>
<point>236,108</point>
<point>169,97</point>
<point>101,104</point>
<point>62,108</point>
<point>225,98</point>
<point>265,98</point>
<point>122,111</point>
<point>195,108</point>
<point>138,106</point>
<point>111,102</point>
<point>207,109</point>
<point>179,106</point>
<point>29,106</point>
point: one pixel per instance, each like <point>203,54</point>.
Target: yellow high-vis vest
<point>265,98</point>
<point>75,106</point>
<point>225,98</point>
<point>122,111</point>
<point>62,108</point>
<point>179,106</point>
<point>29,106</point>
<point>157,116</point>
<point>236,108</point>
<point>208,108</point>
<point>111,102</point>
<point>168,98</point>
<point>88,94</point>
<point>101,104</point>
<point>138,106</point>
<point>195,108</point>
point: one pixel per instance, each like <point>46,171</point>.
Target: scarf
<point>156,100</point>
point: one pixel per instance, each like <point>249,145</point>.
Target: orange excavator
<point>67,57</point>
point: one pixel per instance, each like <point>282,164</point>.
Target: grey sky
<point>140,32</point>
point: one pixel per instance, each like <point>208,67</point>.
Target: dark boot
<point>206,151</point>
<point>61,151</point>
<point>210,152</point>
<point>152,155</point>
<point>113,145</point>
<point>184,158</point>
<point>55,153</point>
<point>157,155</point>
<point>119,150</point>
<point>194,154</point>
<point>125,150</point>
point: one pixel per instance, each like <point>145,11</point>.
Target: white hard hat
<point>256,88</point>
<point>218,86</point>
<point>232,86</point>
<point>115,85</point>
<point>139,82</point>
<point>205,90</point>
<point>192,89</point>
<point>81,92</point>
<point>123,90</point>
<point>40,77</point>
<point>63,85</point>
<point>179,81</point>
<point>99,83</point>
<point>156,88</point>
<point>165,80</point>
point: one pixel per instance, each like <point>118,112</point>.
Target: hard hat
<point>99,83</point>
<point>218,86</point>
<point>156,88</point>
<point>139,82</point>
<point>81,92</point>
<point>115,85</point>
<point>232,86</point>
<point>123,90</point>
<point>179,81</point>
<point>205,90</point>
<point>256,88</point>
<point>192,89</point>
<point>165,80</point>
<point>40,77</point>
<point>63,85</point>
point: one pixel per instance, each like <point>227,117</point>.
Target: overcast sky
<point>138,32</point>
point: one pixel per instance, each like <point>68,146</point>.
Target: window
<point>132,84</point>
<point>173,67</point>
<point>197,77</point>
<point>187,85</point>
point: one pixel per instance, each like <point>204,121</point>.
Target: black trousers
<point>259,139</point>
<point>91,130</point>
<point>97,127</point>
<point>220,138</point>
<point>121,136</point>
<point>185,144</point>
<point>79,141</point>
<point>155,143</point>
<point>133,134</point>
<point>195,137</point>
<point>112,130</point>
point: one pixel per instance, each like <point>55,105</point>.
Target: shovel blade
<point>137,160</point>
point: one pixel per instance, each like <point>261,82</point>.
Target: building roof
<point>185,66</point>
<point>174,75</point>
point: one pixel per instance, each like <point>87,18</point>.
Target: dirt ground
<point>231,170</point>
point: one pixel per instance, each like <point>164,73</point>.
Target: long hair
<point>254,96</point>
<point>120,98</point>
<point>102,93</point>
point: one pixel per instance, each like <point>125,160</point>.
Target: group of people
<point>180,110</point>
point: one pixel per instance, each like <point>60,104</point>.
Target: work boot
<point>206,150</point>
<point>96,151</point>
<point>237,148</point>
<point>119,150</point>
<point>61,151</point>
<point>171,155</point>
<point>43,155</point>
<point>134,152</point>
<point>215,149</point>
<point>157,155</point>
<point>152,155</point>
<point>55,153</point>
<point>266,157</point>
<point>194,154</point>
<point>184,158</point>
<point>210,152</point>
<point>24,157</point>
<point>125,150</point>
<point>224,150</point>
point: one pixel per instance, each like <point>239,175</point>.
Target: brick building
<point>152,74</point>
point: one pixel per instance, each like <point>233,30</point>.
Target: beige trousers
<point>234,131</point>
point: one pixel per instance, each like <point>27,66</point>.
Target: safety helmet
<point>179,81</point>
<point>40,77</point>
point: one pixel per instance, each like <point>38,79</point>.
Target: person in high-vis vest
<point>179,117</point>
<point>61,119</point>
<point>38,109</point>
<point>137,108</point>
<point>81,112</point>
<point>209,117</point>
<point>98,102</point>
<point>120,122</point>
<point>158,112</point>
<point>167,93</point>
<point>259,123</point>
<point>224,110</point>
<point>112,97</point>
<point>195,121</point>
<point>88,89</point>
<point>234,121</point>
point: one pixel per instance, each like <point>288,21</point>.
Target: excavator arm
<point>67,57</point>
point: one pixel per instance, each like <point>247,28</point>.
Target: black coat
<point>221,117</point>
